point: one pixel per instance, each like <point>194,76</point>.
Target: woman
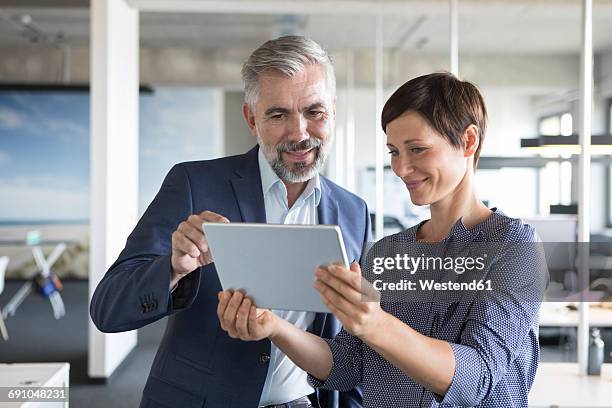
<point>481,351</point>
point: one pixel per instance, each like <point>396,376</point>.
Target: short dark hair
<point>449,104</point>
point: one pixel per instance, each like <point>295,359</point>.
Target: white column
<point>380,136</point>
<point>454,36</point>
<point>350,122</point>
<point>584,175</point>
<point>114,159</point>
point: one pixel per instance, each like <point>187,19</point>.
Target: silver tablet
<point>275,263</point>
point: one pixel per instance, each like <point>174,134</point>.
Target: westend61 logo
<point>412,264</point>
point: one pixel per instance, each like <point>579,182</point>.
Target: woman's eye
<point>393,152</point>
<point>417,150</point>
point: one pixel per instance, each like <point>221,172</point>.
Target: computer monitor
<point>555,228</point>
<point>556,231</point>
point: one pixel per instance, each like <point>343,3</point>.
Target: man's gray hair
<point>288,55</point>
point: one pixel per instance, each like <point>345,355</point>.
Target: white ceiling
<point>496,27</point>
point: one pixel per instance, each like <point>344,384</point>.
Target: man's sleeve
<point>135,291</point>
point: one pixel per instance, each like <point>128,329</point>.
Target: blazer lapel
<point>328,206</point>
<point>247,189</point>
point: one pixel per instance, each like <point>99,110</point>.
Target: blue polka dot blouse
<point>495,342</point>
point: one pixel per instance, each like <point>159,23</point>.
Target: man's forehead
<point>311,100</point>
<point>291,93</point>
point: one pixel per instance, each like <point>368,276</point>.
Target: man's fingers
<point>224,298</point>
<point>183,244</point>
<point>253,318</point>
<point>209,216</point>
<point>194,234</point>
<point>229,316</point>
<point>242,319</point>
<point>195,221</point>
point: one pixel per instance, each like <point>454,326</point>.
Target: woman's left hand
<point>351,299</point>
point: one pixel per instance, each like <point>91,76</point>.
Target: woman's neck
<point>463,204</point>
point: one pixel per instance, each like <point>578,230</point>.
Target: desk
<point>558,385</point>
<point>34,375</point>
<point>556,314</point>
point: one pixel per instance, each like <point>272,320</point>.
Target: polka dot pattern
<point>495,342</point>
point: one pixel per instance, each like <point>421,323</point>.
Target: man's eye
<point>393,153</point>
<point>316,114</point>
<point>278,116</point>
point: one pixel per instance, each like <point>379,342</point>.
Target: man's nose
<point>298,129</point>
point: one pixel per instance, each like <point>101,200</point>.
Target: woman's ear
<point>471,140</point>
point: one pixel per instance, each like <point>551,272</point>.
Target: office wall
<point>238,139</point>
<point>518,89</point>
<point>222,68</point>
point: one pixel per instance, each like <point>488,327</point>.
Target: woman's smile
<point>415,184</point>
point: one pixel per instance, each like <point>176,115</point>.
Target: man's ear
<point>249,118</point>
<point>471,140</point>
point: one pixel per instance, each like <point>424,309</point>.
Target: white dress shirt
<point>285,381</point>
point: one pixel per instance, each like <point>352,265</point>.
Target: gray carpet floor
<point>35,336</point>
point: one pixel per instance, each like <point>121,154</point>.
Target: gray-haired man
<point>167,270</point>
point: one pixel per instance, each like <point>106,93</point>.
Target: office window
<point>44,147</point>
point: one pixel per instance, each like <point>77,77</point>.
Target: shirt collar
<point>460,233</point>
<point>269,179</point>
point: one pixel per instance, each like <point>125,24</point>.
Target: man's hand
<point>241,319</point>
<point>189,245</point>
<point>351,299</point>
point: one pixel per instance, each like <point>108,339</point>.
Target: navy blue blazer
<point>197,364</point>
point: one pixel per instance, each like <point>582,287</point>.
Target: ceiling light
<point>600,144</point>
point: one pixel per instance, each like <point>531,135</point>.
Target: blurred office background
<point>523,55</point>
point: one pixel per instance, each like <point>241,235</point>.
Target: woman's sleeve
<point>498,326</point>
<point>347,365</point>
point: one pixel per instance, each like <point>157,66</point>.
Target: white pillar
<point>114,87</point>
<point>584,172</point>
<point>454,36</point>
<point>380,136</point>
<point>350,122</point>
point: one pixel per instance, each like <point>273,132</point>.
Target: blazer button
<point>264,358</point>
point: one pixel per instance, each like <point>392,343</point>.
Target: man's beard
<point>301,171</point>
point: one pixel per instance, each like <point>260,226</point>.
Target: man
<point>166,268</point>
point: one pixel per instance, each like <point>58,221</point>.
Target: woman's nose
<point>402,166</point>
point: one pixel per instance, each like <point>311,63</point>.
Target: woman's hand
<point>241,319</point>
<point>351,299</point>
